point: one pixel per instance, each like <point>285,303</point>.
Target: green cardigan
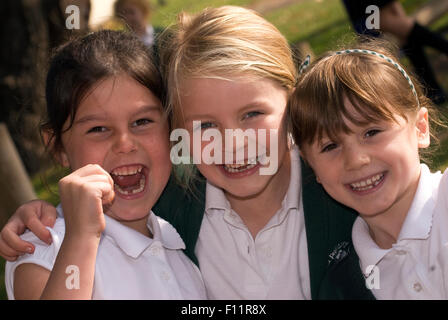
<point>327,222</point>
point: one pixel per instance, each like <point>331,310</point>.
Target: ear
<point>422,126</point>
<point>59,155</point>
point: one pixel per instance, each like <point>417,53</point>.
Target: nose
<point>240,143</point>
<point>355,157</point>
<point>124,143</point>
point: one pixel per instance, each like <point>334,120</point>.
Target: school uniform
<point>293,246</point>
<point>416,267</point>
<point>274,265</point>
<point>128,264</point>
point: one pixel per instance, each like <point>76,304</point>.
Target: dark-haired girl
<point>105,122</point>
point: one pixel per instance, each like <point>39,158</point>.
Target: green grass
<point>166,15</point>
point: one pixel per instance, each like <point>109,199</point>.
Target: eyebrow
<point>251,105</point>
<point>102,117</point>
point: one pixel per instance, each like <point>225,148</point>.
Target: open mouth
<point>368,184</point>
<point>247,165</point>
<point>129,180</point>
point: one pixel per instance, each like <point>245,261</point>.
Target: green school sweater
<point>327,223</point>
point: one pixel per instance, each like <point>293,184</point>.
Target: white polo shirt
<point>129,265</point>
<point>414,267</point>
<point>273,266</point>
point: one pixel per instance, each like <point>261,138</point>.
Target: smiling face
<point>373,169</point>
<point>120,126</point>
<point>237,104</point>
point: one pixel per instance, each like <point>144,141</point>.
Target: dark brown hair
<point>81,63</point>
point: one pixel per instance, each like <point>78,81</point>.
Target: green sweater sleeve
<point>184,211</point>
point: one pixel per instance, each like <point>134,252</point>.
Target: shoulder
<point>44,255</point>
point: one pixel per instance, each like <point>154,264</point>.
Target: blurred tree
<point>29,29</point>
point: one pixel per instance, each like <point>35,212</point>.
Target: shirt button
<point>155,251</point>
<point>417,287</point>
<point>268,252</point>
<point>401,252</point>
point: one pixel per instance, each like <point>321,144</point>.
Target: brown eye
<point>142,122</point>
<point>372,133</point>
<point>97,130</point>
<point>329,147</point>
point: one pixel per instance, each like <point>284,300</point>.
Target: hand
<point>34,215</point>
<point>84,195</point>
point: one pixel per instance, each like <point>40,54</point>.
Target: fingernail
<point>29,250</point>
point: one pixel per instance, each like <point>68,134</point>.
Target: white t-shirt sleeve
<point>44,255</point>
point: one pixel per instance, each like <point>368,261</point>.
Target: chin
<point>123,212</point>
<point>246,190</point>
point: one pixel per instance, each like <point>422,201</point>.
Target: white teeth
<point>244,166</point>
<point>238,168</point>
<point>367,184</point>
<point>127,171</point>
<point>139,189</point>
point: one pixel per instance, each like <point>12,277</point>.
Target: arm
<point>33,281</point>
<point>83,194</point>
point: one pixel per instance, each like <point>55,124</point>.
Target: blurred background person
<point>136,14</point>
<point>412,38</point>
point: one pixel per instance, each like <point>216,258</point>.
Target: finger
<point>11,244</point>
<point>7,252</point>
<point>39,229</point>
<point>10,259</point>
<point>48,214</point>
<point>107,191</point>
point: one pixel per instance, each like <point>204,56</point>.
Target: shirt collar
<point>291,200</point>
<point>133,243</point>
<point>216,199</point>
<point>368,251</point>
<point>417,224</point>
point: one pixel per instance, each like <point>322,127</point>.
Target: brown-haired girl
<point>105,121</point>
<point>360,120</point>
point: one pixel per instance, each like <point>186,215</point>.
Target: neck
<point>257,210</point>
<point>139,226</point>
<point>385,227</point>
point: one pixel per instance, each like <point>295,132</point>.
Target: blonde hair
<point>224,42</point>
<point>375,87</point>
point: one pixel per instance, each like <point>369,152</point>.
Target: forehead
<point>218,94</point>
<point>117,94</point>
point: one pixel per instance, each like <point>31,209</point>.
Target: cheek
<point>81,154</point>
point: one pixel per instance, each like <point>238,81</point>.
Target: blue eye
<point>329,147</point>
<point>206,125</point>
<point>251,114</point>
